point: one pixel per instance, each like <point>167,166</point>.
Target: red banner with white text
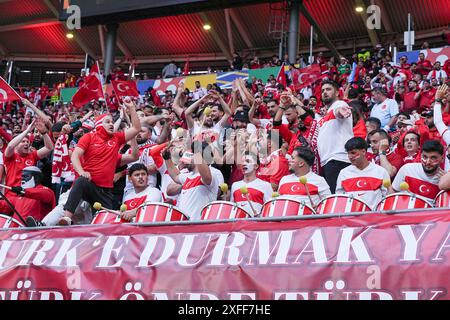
<point>370,257</point>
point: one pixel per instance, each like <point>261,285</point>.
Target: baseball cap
<point>241,116</point>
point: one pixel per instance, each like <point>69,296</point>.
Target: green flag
<point>67,94</point>
<point>263,74</point>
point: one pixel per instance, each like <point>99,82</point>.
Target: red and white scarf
<point>62,165</point>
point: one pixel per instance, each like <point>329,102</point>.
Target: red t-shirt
<point>100,157</point>
<point>427,98</point>
<point>14,166</point>
<point>409,102</point>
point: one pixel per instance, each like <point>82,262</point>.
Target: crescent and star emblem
<point>120,88</point>
<point>4,94</point>
<point>363,184</point>
<point>425,188</point>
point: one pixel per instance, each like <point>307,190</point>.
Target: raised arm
<point>192,108</point>
<point>226,109</point>
<point>171,167</point>
<point>48,144</point>
<point>133,156</point>
<point>9,151</point>
<point>38,112</point>
<point>251,115</point>
<point>179,100</point>
<point>437,114</point>
<point>132,132</point>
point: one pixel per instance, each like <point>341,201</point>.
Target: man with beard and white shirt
<point>205,127</point>
<point>300,165</point>
<point>329,134</point>
<point>363,179</point>
<point>141,192</point>
<point>423,178</point>
<point>200,185</point>
<point>259,191</point>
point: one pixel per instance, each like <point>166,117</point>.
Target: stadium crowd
<point>366,126</point>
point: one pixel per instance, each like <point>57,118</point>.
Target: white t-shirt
<point>1,158</point>
<point>333,134</point>
<point>385,111</point>
<point>366,184</point>
<point>259,192</point>
<point>419,183</point>
<point>291,188</point>
<point>195,194</point>
<point>198,93</point>
<point>134,200</point>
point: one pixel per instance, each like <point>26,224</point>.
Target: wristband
<point>382,153</point>
<point>438,100</point>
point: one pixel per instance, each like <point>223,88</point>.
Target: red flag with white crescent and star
<point>90,90</point>
<point>125,88</point>
<point>362,184</point>
<point>304,77</point>
<point>7,94</point>
<point>281,77</point>
<point>422,188</point>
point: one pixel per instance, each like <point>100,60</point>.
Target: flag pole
<point>101,83</point>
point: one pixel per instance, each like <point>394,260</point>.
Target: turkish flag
<point>305,77</point>
<point>422,188</point>
<point>90,90</point>
<point>281,77</point>
<point>7,94</point>
<point>296,188</point>
<point>125,88</point>
<point>362,184</point>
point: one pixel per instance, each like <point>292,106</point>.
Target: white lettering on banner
<point>5,246</point>
<point>373,295</point>
<point>262,242</point>
<point>220,247</point>
<point>40,253</point>
<point>356,243</point>
<point>152,241</point>
<point>186,248</point>
<point>443,247</point>
<point>46,295</point>
<point>68,253</point>
<point>411,244</point>
<point>160,296</point>
<point>374,280</point>
<point>412,295</point>
<point>318,248</point>
<point>109,252</point>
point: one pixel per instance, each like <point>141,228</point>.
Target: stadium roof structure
<point>31,31</point>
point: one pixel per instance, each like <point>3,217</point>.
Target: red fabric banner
<point>90,90</point>
<point>370,257</point>
<point>305,77</point>
<point>7,94</point>
<point>125,88</point>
